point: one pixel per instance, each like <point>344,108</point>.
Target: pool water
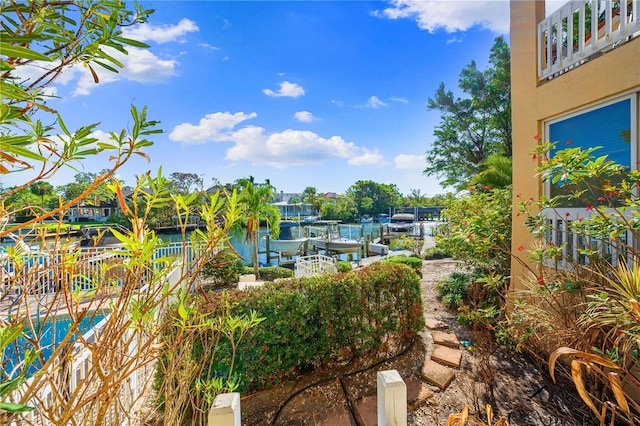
<point>51,334</point>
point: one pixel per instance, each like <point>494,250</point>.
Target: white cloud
<point>212,128</point>
<point>454,39</point>
<point>367,158</point>
<point>283,149</point>
<point>304,116</point>
<point>452,15</point>
<point>337,102</point>
<point>374,102</point>
<point>140,65</point>
<point>208,46</point>
<point>409,161</point>
<point>288,148</point>
<point>160,33</point>
<point>287,89</point>
<point>401,100</point>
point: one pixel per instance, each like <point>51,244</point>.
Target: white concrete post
<point>392,399</point>
<point>225,410</point>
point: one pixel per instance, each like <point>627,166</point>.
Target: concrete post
<point>392,399</point>
<point>225,410</point>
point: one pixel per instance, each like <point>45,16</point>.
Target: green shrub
<point>344,266</point>
<point>453,289</point>
<point>223,268</point>
<point>401,243</point>
<point>435,253</point>
<point>311,322</point>
<point>411,261</point>
<point>270,273</point>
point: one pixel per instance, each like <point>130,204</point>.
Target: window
<point>611,126</point>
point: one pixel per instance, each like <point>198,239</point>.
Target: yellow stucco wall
<point>615,72</point>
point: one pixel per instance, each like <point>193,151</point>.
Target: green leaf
<point>15,408</point>
<point>10,51</point>
<point>131,42</point>
<point>182,311</point>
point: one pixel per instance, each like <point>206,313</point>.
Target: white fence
<point>308,266</point>
<point>90,267</point>
<point>565,41</point>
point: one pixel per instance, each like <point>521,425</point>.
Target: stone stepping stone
<point>435,324</point>
<point>445,339</point>
<point>437,374</point>
<point>447,356</point>
<point>337,416</point>
<point>417,393</point>
<point>366,409</point>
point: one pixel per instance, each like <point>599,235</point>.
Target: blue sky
<point>303,93</point>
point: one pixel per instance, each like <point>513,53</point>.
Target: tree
<point>310,196</point>
<point>476,126</point>
<point>41,189</point>
<point>497,172</point>
<point>84,180</point>
<point>373,198</point>
<point>255,202</point>
<point>187,183</point>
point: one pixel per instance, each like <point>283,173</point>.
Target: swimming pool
<point>51,333</point>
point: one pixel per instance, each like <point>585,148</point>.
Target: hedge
<point>312,322</point>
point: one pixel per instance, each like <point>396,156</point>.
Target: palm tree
<point>496,172</point>
<point>255,202</point>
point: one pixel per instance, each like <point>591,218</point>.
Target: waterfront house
<point>573,83</point>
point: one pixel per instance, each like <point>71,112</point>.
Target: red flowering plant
<point>585,290</point>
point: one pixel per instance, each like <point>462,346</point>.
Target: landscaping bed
<point>522,393</point>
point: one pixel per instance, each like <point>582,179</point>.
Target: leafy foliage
<point>344,266</point>
<point>478,229</point>
<point>271,273</point>
<point>454,289</point>
<point>310,322</point>
<point>586,302</point>
<point>223,268</point>
<point>373,198</point>
<point>472,128</point>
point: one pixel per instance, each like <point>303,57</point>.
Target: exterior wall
<point>533,103</point>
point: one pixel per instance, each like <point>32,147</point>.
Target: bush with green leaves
<point>312,322</point>
<point>435,253</point>
<point>478,229</point>
<point>271,273</point>
<point>454,288</point>
<point>411,261</point>
<point>344,266</point>
<point>223,268</point>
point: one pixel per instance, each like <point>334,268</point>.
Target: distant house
<point>85,212</point>
<point>585,92</point>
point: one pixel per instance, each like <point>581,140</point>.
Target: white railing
<point>573,244</point>
<point>96,266</point>
<point>565,41</point>
<point>308,266</point>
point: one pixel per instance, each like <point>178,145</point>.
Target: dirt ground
<point>522,393</point>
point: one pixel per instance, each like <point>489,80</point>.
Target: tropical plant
<point>497,171</point>
<point>256,204</point>
<point>583,291</point>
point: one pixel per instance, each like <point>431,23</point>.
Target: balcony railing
<point>574,245</point>
<point>581,29</point>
